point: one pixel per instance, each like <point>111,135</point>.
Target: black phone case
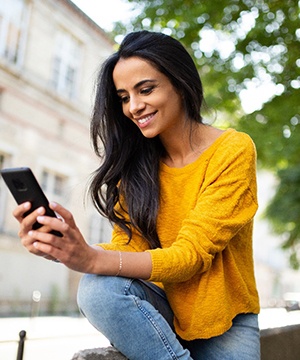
<point>24,187</point>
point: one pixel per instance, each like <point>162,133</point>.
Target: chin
<point>149,134</point>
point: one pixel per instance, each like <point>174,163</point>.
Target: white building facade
<point>50,53</point>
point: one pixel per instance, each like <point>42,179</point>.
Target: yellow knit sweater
<point>205,226</point>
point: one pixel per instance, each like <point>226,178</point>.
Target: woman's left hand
<point>71,249</point>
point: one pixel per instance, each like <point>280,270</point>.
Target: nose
<point>136,105</point>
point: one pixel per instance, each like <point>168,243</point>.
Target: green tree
<point>247,51</point>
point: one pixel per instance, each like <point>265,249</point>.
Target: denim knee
<point>84,291</point>
<point>95,293</point>
<point>121,309</point>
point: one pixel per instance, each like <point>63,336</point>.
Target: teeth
<point>142,121</point>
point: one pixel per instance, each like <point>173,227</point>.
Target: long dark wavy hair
<point>127,181</point>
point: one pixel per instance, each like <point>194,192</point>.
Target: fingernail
<point>35,244</point>
<point>40,218</point>
<point>30,233</point>
<point>40,210</point>
<point>26,205</point>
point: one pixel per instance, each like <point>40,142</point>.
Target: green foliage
<point>240,45</point>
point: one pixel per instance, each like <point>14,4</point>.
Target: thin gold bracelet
<point>120,264</point>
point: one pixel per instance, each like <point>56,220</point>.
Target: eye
<point>124,99</point>
<point>148,90</point>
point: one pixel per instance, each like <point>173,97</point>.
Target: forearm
<point>137,265</point>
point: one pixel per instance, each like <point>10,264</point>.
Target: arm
<point>72,250</point>
<point>226,203</point>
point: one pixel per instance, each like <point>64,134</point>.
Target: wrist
<point>96,263</point>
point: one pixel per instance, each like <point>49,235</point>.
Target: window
<point>99,230</point>
<point>12,29</point>
<point>54,185</point>
<point>66,65</point>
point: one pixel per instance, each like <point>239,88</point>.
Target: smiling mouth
<point>146,119</point>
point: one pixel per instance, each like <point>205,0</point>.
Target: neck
<point>184,148</point>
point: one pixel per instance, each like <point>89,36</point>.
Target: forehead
<point>133,70</point>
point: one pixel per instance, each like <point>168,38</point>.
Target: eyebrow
<point>137,85</point>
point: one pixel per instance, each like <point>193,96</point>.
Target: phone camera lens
<point>19,185</point>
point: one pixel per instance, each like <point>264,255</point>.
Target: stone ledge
<point>276,344</point>
<point>281,343</point>
<point>107,353</point>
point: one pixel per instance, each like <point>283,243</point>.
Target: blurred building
<point>275,278</point>
<point>50,52</point>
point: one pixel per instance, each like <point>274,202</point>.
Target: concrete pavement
<point>59,338</point>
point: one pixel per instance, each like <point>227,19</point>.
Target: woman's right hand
<point>26,224</point>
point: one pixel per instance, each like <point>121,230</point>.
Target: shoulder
<point>237,137</point>
<point>222,138</point>
<point>232,149</point>
<point>235,142</point>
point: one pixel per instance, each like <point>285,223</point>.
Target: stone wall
<point>276,344</point>
<point>281,343</point>
<point>108,353</point>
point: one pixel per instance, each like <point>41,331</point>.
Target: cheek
<point>125,110</point>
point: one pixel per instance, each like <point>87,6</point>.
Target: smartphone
<point>24,186</point>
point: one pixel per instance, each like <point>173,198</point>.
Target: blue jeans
<point>136,318</point>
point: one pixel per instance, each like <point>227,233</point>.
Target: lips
<point>144,120</point>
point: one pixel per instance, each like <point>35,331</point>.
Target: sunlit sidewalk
<point>48,338</point>
<point>277,317</point>
<point>59,338</point>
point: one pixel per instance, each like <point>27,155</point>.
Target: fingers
<point>26,219</point>
<point>47,243</point>
<point>20,210</point>
<point>43,242</point>
<point>28,242</point>
<point>64,213</point>
<point>51,223</point>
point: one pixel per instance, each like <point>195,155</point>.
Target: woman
<point>177,279</point>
